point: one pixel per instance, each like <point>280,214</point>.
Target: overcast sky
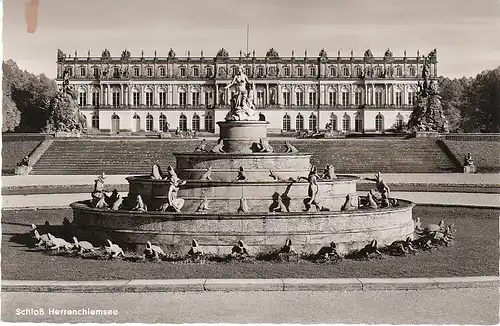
<point>465,32</point>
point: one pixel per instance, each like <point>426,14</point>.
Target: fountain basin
<point>261,232</point>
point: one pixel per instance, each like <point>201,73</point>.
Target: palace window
<point>95,97</point>
<point>137,71</point>
<point>136,123</point>
<point>209,123</point>
<point>163,71</point>
<point>413,71</point>
<point>399,121</point>
<point>83,72</point>
<point>115,96</point>
<point>399,71</point>
<point>312,71</point>
<point>358,71</point>
<point>182,71</point>
<point>209,98</point>
<point>162,97</point>
<point>287,126</point>
<point>345,71</point>
<point>182,123</point>
<point>286,97</point>
<point>345,98</point>
<point>260,71</point>
<point>333,121</point>
<point>95,72</point>
<point>358,97</point>
<point>378,97</point>
<point>299,122</point>
<point>346,123</point>
<point>312,98</point>
<point>286,71</point>
<point>149,71</point>
<point>332,98</point>
<point>136,98</point>
<point>182,97</point>
<point>116,72</point>
<point>260,98</point>
<point>195,98</point>
<point>313,122</point>
<point>248,71</point>
<point>149,122</point>
<point>411,97</point>
<point>379,123</point>
<point>95,121</point>
<point>196,71</point>
<point>195,123</point>
<point>149,98</point>
<point>358,123</point>
<point>82,100</point>
<point>399,98</point>
<point>162,123</point>
<point>210,71</point>
<point>300,71</point>
<point>333,71</point>
<point>299,98</point>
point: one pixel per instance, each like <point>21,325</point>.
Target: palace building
<point>127,94</point>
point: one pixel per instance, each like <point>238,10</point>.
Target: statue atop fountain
<point>242,102</point>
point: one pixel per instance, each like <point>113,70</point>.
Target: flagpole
<point>248,28</point>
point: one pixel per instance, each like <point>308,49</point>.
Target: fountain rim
<point>246,155</point>
<point>83,206</point>
<point>147,177</point>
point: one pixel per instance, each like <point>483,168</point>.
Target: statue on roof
<point>105,55</point>
<point>368,54</point>
<point>388,54</point>
<point>171,53</point>
<point>272,53</point>
<point>323,54</point>
<point>222,53</point>
<point>433,54</point>
<point>60,55</point>
<point>125,54</point>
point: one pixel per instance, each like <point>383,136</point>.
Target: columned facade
<point>353,94</point>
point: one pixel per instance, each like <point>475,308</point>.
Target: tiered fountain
<point>243,190</point>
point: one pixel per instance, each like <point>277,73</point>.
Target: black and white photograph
<point>250,162</point>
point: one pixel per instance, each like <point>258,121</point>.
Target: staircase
<point>82,157</point>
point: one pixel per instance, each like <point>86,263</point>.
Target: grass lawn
<point>484,153</point>
<point>14,151</point>
<point>474,253</point>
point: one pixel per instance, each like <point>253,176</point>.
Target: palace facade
<point>127,94</point>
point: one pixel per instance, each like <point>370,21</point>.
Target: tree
<point>452,92</point>
<point>10,113</point>
<point>482,111</point>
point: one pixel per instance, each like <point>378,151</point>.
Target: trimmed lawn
<point>474,253</point>
<point>14,151</point>
<point>486,154</point>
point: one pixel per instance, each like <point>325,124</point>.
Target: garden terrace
<point>484,153</point>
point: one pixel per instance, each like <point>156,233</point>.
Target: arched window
<point>345,97</point>
<point>115,96</point>
<point>95,121</point>
<point>399,97</point>
<point>195,97</point>
<point>411,96</point>
<point>399,121</point>
<point>209,123</point>
<point>346,123</point>
<point>377,71</point>
<point>379,123</point>
<point>358,123</point>
<point>183,123</point>
<point>115,123</point>
<point>136,97</point>
<point>332,97</point>
<point>136,123</point>
<point>162,97</point>
<point>248,71</point>
<point>313,122</point>
<point>299,97</point>
<point>333,122</point>
<point>312,97</point>
<point>299,122</point>
<point>82,98</point>
<point>287,125</point>
<point>149,122</point>
<point>333,71</point>
<point>379,96</point>
<point>195,123</point>
<point>162,123</point>
<point>95,96</point>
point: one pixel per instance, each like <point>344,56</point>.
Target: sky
<point>466,33</point>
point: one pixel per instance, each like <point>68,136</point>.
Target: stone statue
<point>241,174</point>
<point>126,55</point>
<point>171,53</point>
<point>201,147</point>
<point>322,54</point>
<point>140,206</point>
<point>369,249</point>
<point>98,192</point>
<point>115,201</point>
<point>368,54</point>
<point>329,251</point>
<point>239,249</point>
<point>195,250</point>
<point>388,54</point>
<point>370,202</point>
<point>113,250</point>
<point>278,205</point>
<point>329,172</point>
<point>153,252</point>
<point>156,173</point>
<point>60,55</point>
<point>468,161</point>
<point>272,53</point>
<point>312,190</point>
<point>348,206</point>
<point>105,55</point>
<point>242,104</point>
<point>173,203</point>
<point>264,147</point>
<point>289,148</point>
<point>222,53</point>
<point>207,175</point>
<point>218,147</point>
<point>243,206</point>
<point>203,207</point>
<point>287,248</point>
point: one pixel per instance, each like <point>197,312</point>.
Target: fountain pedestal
<point>241,136</point>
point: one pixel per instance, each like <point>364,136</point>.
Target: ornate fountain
<point>242,189</point>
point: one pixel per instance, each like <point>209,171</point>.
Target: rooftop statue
<point>106,55</point>
<point>242,103</point>
<point>323,54</point>
<point>388,54</point>
<point>126,55</point>
<point>272,53</point>
<point>60,55</point>
<point>368,54</point>
<point>222,53</point>
<point>171,53</point>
